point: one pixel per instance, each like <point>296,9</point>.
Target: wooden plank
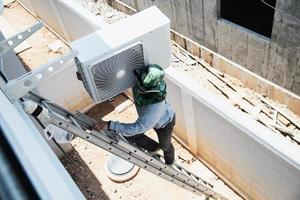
<point>280,111</point>
<point>193,48</point>
<point>234,98</point>
<point>216,73</point>
<point>207,57</point>
<point>180,41</point>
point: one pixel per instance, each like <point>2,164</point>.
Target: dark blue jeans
<point>164,137</point>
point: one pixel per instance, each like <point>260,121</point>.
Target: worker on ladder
<point>153,112</point>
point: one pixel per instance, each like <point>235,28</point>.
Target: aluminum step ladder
<point>81,126</point>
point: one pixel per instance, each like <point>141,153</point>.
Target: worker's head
<point>151,87</point>
<point>150,78</point>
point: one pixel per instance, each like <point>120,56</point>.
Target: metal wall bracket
<point>17,88</point>
<point>12,42</point>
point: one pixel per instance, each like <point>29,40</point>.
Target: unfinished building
<point>233,82</point>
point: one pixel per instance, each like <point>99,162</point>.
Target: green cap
<point>151,88</point>
<point>153,76</point>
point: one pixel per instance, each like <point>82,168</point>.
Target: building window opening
<point>251,14</point>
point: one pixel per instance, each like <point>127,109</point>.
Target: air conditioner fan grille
<point>115,74</point>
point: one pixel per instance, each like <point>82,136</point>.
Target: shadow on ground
<point>102,109</point>
<point>83,176</point>
<point>75,165</point>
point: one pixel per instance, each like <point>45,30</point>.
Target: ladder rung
<point>79,124</point>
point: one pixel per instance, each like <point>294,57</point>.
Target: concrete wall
<point>261,164</point>
<point>276,59</point>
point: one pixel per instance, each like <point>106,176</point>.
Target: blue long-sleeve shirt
<point>156,115</point>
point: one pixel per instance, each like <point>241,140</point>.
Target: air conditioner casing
<point>132,43</point>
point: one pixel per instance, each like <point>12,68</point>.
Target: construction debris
<point>56,46</point>
<point>273,115</point>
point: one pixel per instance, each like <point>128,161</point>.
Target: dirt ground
<point>86,165</point>
<point>39,51</point>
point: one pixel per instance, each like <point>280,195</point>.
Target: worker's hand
<point>101,125</point>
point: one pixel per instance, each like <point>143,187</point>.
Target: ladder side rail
<point>178,173</point>
<point>114,147</point>
<point>107,145</point>
<point>61,118</point>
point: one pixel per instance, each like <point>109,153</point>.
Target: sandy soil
<point>39,53</point>
<point>86,166</point>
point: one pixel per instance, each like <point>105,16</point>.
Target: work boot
<point>169,155</point>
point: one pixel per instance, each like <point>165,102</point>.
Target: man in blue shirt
<point>153,112</point>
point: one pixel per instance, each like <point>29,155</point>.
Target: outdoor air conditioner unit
<point>106,58</point>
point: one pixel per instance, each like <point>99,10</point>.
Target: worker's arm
<point>148,118</point>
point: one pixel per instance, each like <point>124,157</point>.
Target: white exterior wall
<point>261,164</point>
